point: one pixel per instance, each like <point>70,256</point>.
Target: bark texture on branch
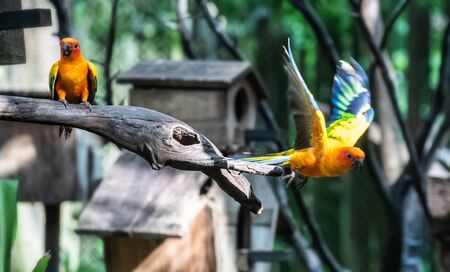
<point>160,139</point>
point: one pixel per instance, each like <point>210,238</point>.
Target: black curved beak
<point>66,50</point>
<point>357,163</point>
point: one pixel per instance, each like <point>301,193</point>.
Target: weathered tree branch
<point>317,241</point>
<point>442,93</point>
<point>109,52</point>
<point>63,19</point>
<point>391,21</point>
<point>322,35</point>
<point>215,27</point>
<point>185,35</point>
<point>160,139</point>
<point>305,252</point>
<point>377,173</point>
<point>379,60</point>
<point>441,134</point>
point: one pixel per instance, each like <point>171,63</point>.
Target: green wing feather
<point>52,77</point>
<point>92,81</point>
<point>351,112</point>
<point>347,130</point>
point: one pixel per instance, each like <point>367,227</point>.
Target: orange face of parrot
<point>349,157</point>
<point>70,48</point>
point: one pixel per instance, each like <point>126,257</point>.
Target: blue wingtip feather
<point>350,92</point>
<point>370,115</point>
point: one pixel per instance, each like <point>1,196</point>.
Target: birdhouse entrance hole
<point>240,104</point>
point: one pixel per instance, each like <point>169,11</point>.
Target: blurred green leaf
<point>41,265</point>
<point>8,221</point>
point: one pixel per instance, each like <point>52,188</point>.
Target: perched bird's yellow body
<point>72,79</point>
<point>70,85</point>
<point>321,150</point>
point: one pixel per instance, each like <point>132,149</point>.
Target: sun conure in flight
<point>72,79</point>
<point>326,150</point>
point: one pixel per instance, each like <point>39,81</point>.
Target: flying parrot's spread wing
<point>92,81</point>
<point>309,120</point>
<point>52,80</point>
<point>351,113</point>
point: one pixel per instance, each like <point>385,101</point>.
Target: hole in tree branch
<point>184,136</point>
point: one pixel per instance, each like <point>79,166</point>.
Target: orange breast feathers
<point>333,162</point>
<point>72,83</point>
<point>73,79</point>
<point>304,161</point>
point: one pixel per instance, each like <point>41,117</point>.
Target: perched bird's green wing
<point>309,120</point>
<point>351,112</point>
<point>92,81</point>
<point>53,75</point>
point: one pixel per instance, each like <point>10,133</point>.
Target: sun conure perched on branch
<point>72,79</point>
<point>326,150</point>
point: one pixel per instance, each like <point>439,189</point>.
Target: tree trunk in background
<point>63,18</point>
<point>418,70</point>
<point>438,191</point>
<point>414,222</point>
<point>393,150</point>
<point>411,215</point>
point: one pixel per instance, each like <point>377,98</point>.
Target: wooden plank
<point>25,19</point>
<point>267,256</point>
<point>27,93</point>
<point>125,253</point>
<point>193,252</point>
<point>12,42</point>
<point>192,106</point>
<point>186,74</point>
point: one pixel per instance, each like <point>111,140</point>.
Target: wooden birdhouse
<point>218,98</point>
<point>166,220</point>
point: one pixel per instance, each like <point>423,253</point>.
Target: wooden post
<point>243,237</point>
<point>12,42</point>
<point>52,215</point>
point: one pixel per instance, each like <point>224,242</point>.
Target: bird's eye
<point>76,46</point>
<point>349,156</point>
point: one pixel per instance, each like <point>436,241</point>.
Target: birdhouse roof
<point>192,74</point>
<point>136,200</point>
